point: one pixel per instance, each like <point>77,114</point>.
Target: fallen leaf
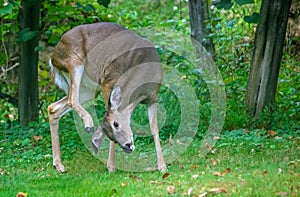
<point>214,162</point>
<point>2,171</point>
<point>272,133</point>
<point>192,167</point>
<point>207,145</point>
<point>138,179</point>
<point>281,194</point>
<point>293,164</point>
<point>22,194</point>
<point>9,116</point>
<point>165,175</point>
<point>37,138</point>
<point>218,190</point>
<point>189,192</point>
<point>184,77</point>
<point>226,170</point>
<point>216,138</point>
<point>124,184</point>
<point>218,174</point>
<point>222,173</point>
<point>203,194</point>
<point>290,137</point>
<point>171,189</point>
<point>213,151</point>
<point>265,172</point>
<point>277,138</point>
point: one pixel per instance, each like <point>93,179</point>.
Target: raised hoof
<point>95,148</point>
<point>89,129</point>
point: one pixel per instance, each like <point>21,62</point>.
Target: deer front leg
<point>152,115</point>
<point>75,79</point>
<point>55,112</point>
<point>111,165</point>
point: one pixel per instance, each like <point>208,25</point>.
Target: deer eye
<point>116,124</point>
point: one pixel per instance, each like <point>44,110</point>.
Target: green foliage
<point>232,37</point>
<point>105,3</point>
<point>254,18</point>
<point>224,4</point>
<point>228,4</point>
<point>25,35</point>
<point>7,9</point>
<point>243,2</point>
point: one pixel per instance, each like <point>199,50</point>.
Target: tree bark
<point>28,70</point>
<point>268,48</point>
<point>198,11</point>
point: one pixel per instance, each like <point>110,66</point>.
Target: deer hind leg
<point>73,100</point>
<point>55,112</point>
<point>111,165</point>
<point>152,115</point>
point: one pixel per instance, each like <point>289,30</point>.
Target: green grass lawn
<point>241,164</point>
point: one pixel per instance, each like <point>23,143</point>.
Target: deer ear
<point>97,139</point>
<point>116,97</point>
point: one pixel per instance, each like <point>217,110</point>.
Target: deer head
<point>115,125</point>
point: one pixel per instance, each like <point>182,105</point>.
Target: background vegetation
<point>252,158</point>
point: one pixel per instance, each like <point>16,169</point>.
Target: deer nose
<point>128,147</point>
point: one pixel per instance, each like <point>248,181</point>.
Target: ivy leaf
<point>38,48</point>
<point>254,18</point>
<point>223,4</point>
<point>25,35</point>
<point>89,8</point>
<point>105,3</point>
<point>243,2</point>
<point>6,9</point>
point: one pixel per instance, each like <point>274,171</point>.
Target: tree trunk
<point>268,47</point>
<point>198,11</point>
<point>28,70</point>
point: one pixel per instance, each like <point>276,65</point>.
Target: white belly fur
<point>88,88</point>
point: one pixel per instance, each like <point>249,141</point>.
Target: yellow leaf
<point>171,189</point>
<point>124,184</point>
<point>22,194</point>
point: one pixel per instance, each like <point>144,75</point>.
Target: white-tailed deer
<point>125,66</point>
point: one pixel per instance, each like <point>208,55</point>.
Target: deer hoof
<point>89,129</point>
<point>111,169</point>
<point>162,168</point>
<point>59,167</point>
